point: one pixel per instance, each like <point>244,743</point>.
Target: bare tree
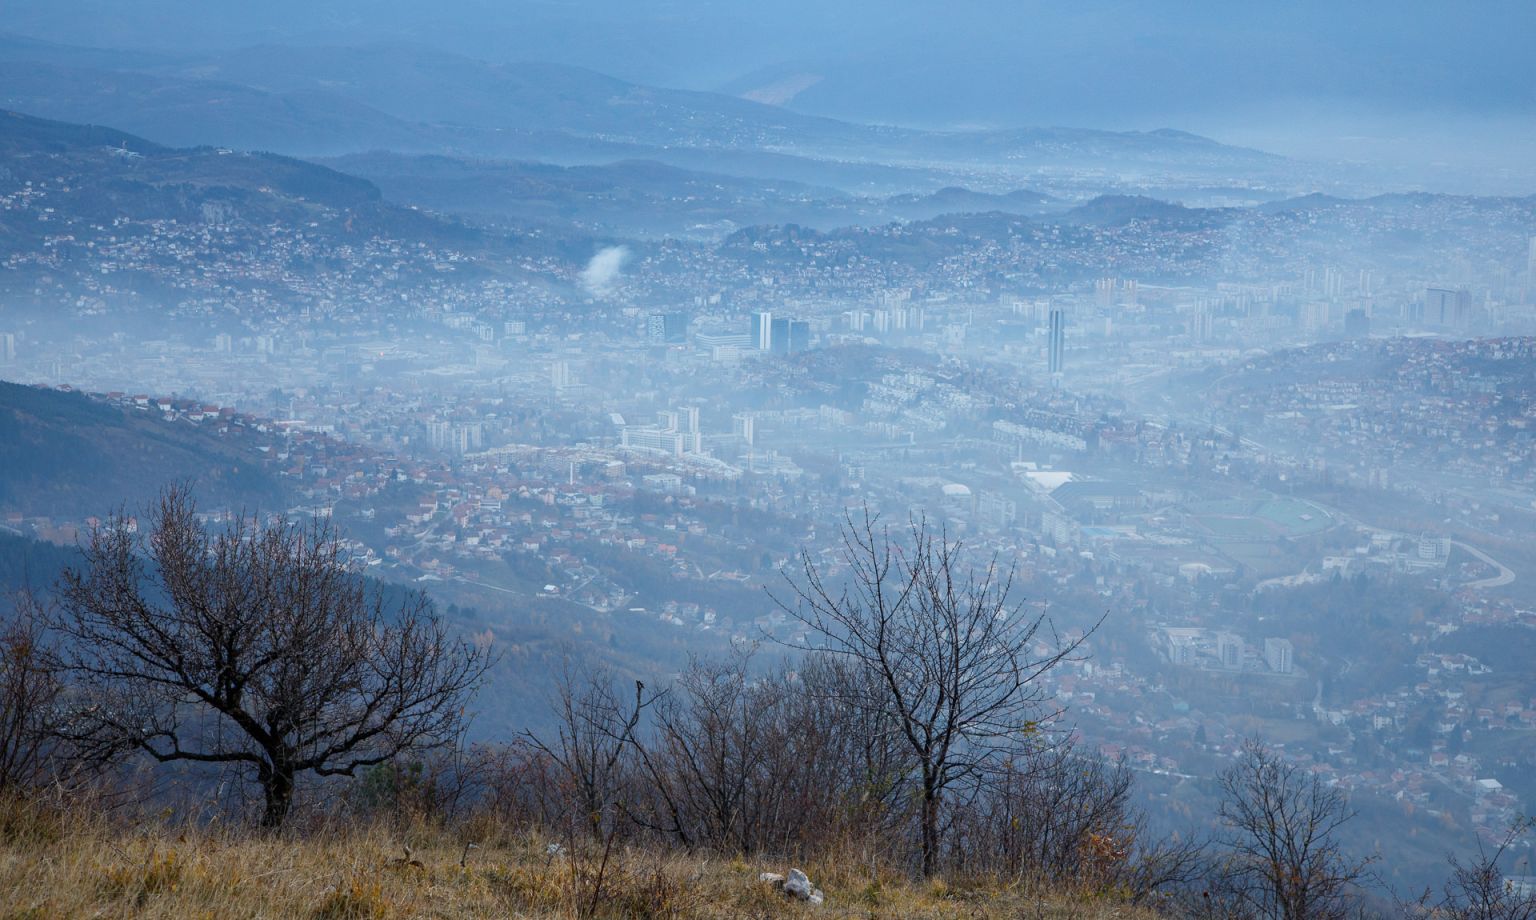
<point>954,659</point>
<point>741,760</point>
<point>1284,861</point>
<point>842,773</point>
<point>1478,890</point>
<point>257,647</point>
<point>1064,819</point>
<point>592,748</point>
<point>1160,867</point>
<point>710,762</point>
<point>592,755</point>
<point>29,693</point>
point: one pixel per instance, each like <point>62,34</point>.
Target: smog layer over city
<point>694,459</point>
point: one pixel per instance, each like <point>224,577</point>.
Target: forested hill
<point>27,564</point>
<point>67,455</point>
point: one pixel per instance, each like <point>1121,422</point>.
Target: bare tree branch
<point>258,645</point>
<point>954,659</point>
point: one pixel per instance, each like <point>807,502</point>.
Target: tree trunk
<point>930,830</point>
<point>277,784</point>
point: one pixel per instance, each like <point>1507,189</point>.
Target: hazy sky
<point>1368,73</point>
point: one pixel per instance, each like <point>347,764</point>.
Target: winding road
<point>1505,576</point>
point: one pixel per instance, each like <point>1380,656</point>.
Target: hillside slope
<point>66,455</point>
<point>95,221</point>
<point>99,173</point>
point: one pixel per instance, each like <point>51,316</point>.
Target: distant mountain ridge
<point>115,173</point>
<point>1159,241</point>
<point>187,113</point>
<point>129,166</point>
<point>112,173</point>
<point>954,199</point>
<point>648,198</point>
<point>26,137</point>
<point>341,100</point>
<point>1118,210</point>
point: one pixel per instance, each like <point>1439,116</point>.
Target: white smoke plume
<point>600,274</point>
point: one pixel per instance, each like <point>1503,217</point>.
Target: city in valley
<point>607,377</point>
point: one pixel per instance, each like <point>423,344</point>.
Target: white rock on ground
<point>799,885</point>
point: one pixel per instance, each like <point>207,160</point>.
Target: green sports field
<point>1239,519</point>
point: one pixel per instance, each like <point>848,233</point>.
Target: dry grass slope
<point>54,866</point>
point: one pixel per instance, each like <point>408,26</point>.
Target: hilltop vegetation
<point>906,756</point>
<point>55,865</point>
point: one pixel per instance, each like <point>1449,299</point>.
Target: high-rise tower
<point>762,331</point>
<point>1057,345</point>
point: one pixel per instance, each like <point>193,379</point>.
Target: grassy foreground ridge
<point>55,865</point>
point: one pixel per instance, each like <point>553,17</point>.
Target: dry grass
<point>59,866</point>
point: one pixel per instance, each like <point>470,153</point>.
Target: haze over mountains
<point>535,225</point>
<point>1412,86</point>
<point>406,98</point>
<point>646,198</point>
